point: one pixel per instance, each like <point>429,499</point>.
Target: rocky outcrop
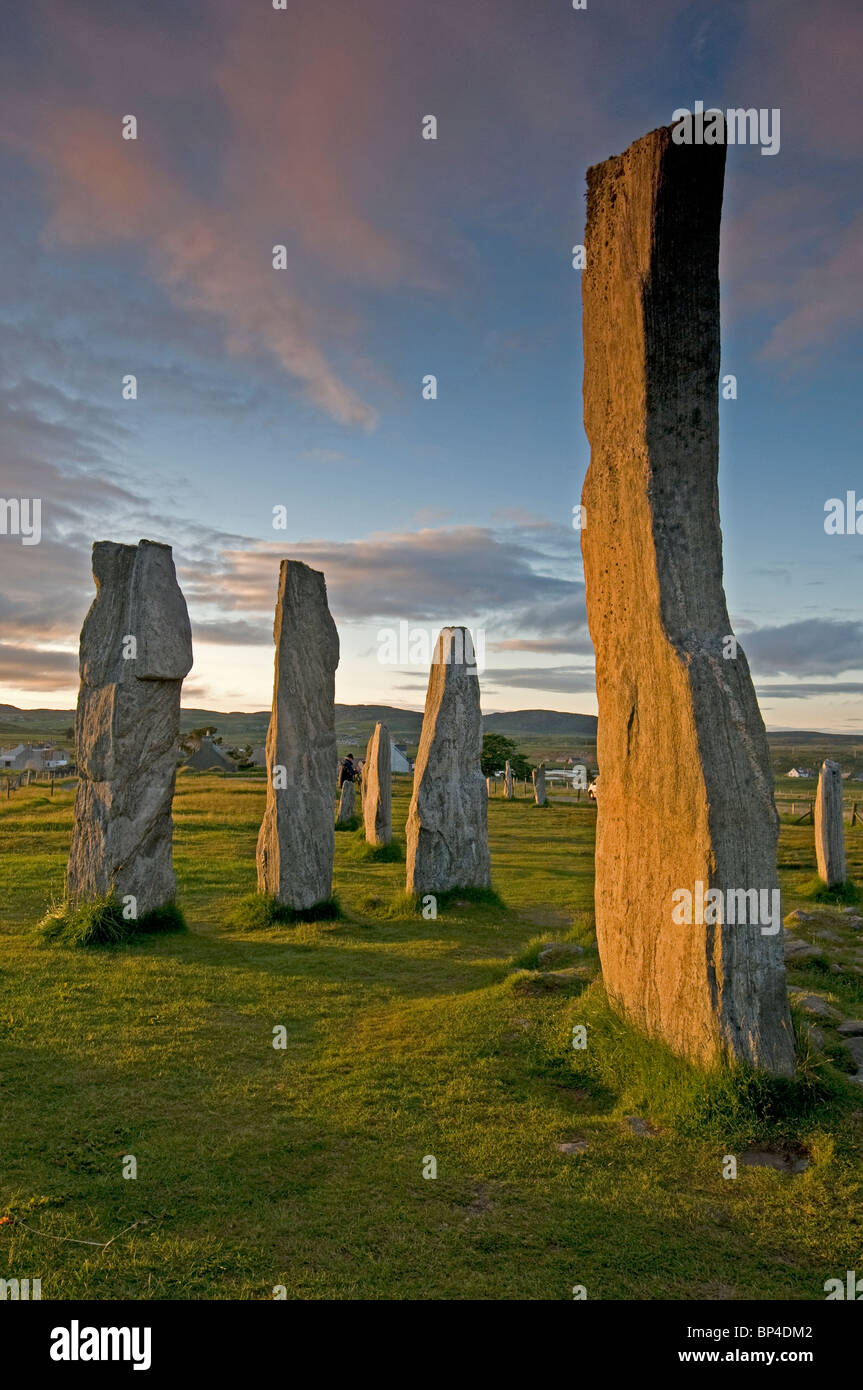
<point>296,840</point>
<point>346,804</point>
<point>136,647</point>
<point>829,825</point>
<point>447,835</point>
<point>538,776</point>
<point>687,792</point>
<point>378,788</point>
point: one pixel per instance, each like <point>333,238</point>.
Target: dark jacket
<point>347,772</point>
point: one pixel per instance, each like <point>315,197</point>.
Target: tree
<point>192,740</point>
<point>520,765</point>
<point>495,751</point>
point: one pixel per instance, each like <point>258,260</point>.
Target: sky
<point>301,388</point>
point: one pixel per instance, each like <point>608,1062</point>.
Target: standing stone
<point>489,786</point>
<point>136,647</point>
<point>297,839</point>
<point>538,776</point>
<point>378,788</point>
<point>346,804</point>
<point>687,792</point>
<point>447,834</point>
<point>829,825</point>
<point>507,782</point>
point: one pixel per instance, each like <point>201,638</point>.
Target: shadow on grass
<point>258,911</point>
<point>733,1103</point>
<point>359,851</point>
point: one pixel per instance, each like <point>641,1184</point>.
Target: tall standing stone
<point>447,831</point>
<point>346,804</point>
<point>538,777</point>
<point>687,793</point>
<point>829,825</point>
<point>507,782</point>
<point>378,788</point>
<point>297,837</point>
<point>136,647</point>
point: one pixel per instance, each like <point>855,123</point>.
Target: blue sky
<point>302,387</point>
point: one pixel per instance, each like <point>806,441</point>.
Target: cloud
<point>810,647</point>
<point>546,646</point>
<point>566,680</point>
<point>426,576</point>
<point>794,245</point>
<point>805,59</point>
<point>802,690</point>
<point>237,632</point>
<point>34,669</point>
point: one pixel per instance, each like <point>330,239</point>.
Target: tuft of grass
<point>816,890</point>
<point>257,911</point>
<point>348,825</point>
<point>100,922</point>
<point>528,959</point>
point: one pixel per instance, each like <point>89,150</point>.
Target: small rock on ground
<point>572,1146</point>
<point>795,949</point>
<point>640,1126</point>
<point>814,1004</point>
<point>788,1160</point>
<point>558,950</point>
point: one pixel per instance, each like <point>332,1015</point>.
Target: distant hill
<point>540,722</point>
<point>354,723</point>
<point>543,732</point>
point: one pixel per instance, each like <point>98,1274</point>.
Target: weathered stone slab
<point>687,793</point>
<point>447,833</point>
<point>378,788</point>
<point>346,804</point>
<point>507,782</point>
<point>829,825</point>
<point>538,776</point>
<point>136,647</point>
<point>297,837</point>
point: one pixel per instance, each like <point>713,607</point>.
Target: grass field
<point>302,1167</point>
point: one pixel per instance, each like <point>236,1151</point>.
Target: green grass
<point>302,1165</point>
<point>102,922</point>
<point>817,891</point>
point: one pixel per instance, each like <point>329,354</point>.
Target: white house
<point>10,757</point>
<point>398,761</point>
<point>41,759</point>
